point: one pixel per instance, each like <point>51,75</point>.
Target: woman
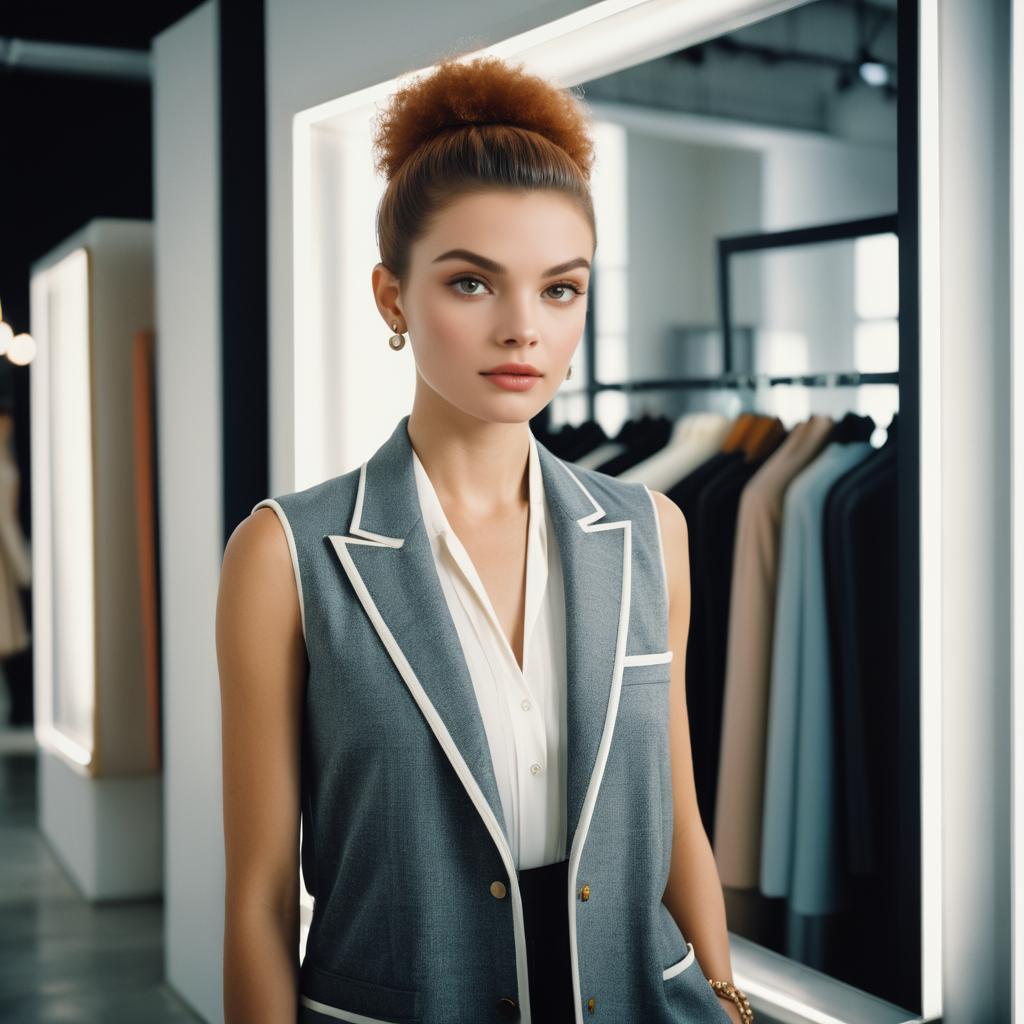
<point>462,662</point>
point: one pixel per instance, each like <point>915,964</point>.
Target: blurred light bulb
<point>874,73</point>
<point>22,349</point>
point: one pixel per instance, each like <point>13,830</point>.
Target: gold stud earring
<point>396,341</point>
<point>569,374</point>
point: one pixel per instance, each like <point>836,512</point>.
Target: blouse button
<point>526,705</point>
<point>536,768</point>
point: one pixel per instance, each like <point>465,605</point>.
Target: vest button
<point>585,893</point>
<point>508,1009</point>
<point>498,890</point>
<point>592,1005</point>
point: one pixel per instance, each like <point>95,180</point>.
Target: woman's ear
<point>387,295</point>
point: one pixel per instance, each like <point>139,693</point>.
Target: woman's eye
<point>466,280</point>
<point>568,289</point>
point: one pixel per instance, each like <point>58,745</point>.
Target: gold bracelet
<point>735,995</point>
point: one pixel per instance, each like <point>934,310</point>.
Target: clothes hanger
<point>851,427</point>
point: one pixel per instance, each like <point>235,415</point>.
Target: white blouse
<point>523,711</point>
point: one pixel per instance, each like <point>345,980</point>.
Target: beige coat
<point>15,561</point>
<point>739,797</point>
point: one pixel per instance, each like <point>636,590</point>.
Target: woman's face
<point>501,277</point>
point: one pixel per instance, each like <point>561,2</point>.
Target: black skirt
<point>545,891</point>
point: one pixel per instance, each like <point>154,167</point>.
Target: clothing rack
<point>752,380</point>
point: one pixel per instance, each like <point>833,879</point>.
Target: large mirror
<point>743,354</point>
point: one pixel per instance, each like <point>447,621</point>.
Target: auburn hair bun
<point>486,90</point>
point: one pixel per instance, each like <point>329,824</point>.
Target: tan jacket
<point>15,564</point>
<point>739,796</point>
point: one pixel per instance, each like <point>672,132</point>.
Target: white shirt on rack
<point>523,711</point>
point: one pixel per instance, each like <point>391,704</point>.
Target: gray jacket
<point>402,827</point>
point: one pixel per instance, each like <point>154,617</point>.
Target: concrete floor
<point>63,960</point>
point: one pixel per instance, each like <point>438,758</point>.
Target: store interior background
<point>180,116</point>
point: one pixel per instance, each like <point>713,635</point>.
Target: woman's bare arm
<point>694,891</point>
<point>261,658</point>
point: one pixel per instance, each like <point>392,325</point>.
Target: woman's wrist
<point>735,999</point>
<point>730,1008</point>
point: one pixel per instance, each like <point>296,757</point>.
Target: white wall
<point>682,196</point>
<point>187,213</point>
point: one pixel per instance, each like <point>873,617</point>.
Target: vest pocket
<point>646,668</point>
<point>689,994</point>
<point>680,965</point>
<point>649,658</point>
<point>325,996</point>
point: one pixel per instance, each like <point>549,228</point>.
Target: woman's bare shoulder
<point>258,603</point>
<point>675,541</point>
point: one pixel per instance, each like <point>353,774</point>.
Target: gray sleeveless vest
<point>403,835</point>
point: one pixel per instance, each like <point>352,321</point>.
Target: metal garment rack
<point>727,248</point>
<point>834,232</point>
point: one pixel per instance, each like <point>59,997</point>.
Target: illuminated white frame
<point>599,40</point>
<point>930,511</point>
<point>1017,520</point>
<point>70,275</point>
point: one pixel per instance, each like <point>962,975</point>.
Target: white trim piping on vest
<point>272,503</point>
<point>679,966</point>
<point>588,523</point>
<point>661,548</point>
<point>338,1014</point>
<point>654,658</point>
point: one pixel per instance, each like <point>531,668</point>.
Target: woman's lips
<point>513,381</point>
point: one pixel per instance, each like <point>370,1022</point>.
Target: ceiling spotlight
<point>872,71</point>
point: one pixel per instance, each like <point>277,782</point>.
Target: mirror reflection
<point>742,356</point>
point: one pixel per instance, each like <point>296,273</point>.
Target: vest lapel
<point>596,563</point>
<point>388,561</point>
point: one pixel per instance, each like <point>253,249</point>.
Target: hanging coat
<point>403,837</point>
<point>15,563</point>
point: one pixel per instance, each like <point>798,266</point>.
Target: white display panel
<point>62,403</point>
<point>1017,347</point>
<point>91,309</point>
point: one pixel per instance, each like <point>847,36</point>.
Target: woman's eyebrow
<point>497,268</point>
